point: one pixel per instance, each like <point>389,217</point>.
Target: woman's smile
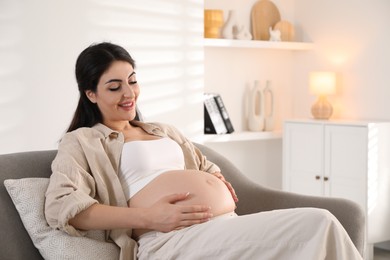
<point>127,105</point>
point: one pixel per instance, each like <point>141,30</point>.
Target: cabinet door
<point>346,162</point>
<point>303,158</point>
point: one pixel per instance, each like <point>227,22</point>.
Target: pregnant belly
<point>204,189</point>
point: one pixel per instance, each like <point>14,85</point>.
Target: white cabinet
<point>342,159</point>
<point>304,151</point>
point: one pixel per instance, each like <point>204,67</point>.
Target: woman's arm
<point>163,216</point>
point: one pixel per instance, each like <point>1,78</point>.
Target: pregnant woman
<point>154,192</point>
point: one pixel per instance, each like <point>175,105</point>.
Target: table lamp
<point>322,84</point>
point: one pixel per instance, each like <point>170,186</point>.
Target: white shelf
<point>208,42</point>
<point>241,136</point>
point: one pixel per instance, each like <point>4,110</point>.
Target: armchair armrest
<point>256,198</point>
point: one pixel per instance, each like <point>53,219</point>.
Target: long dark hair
<point>90,65</point>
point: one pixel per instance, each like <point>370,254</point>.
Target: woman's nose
<point>129,92</point>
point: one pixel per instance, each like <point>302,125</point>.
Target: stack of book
<point>216,117</point>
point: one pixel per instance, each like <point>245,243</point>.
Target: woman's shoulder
<point>72,144</point>
<point>82,134</point>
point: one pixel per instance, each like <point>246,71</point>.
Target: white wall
<point>351,38</point>
<point>40,41</point>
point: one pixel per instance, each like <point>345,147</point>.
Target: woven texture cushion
<point>28,195</point>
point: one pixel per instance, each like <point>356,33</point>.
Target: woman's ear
<point>91,95</point>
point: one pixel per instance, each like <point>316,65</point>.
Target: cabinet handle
<point>326,178</point>
<point>318,177</point>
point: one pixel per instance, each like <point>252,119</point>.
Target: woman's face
<point>116,94</point>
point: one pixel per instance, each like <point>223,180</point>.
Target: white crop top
<point>142,161</point>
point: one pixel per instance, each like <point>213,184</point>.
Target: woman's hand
<point>228,184</point>
<point>165,216</point>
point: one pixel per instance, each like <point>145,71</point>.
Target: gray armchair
<point>256,198</point>
<point>15,243</point>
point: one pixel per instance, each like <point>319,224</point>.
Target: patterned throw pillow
<point>28,195</point>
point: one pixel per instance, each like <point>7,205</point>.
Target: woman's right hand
<point>166,216</point>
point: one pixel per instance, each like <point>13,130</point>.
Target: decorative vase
<point>229,26</point>
<point>213,21</point>
<point>269,107</point>
<point>256,108</point>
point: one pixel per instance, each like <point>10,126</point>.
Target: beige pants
<point>302,233</point>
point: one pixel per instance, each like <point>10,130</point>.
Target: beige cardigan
<point>85,171</point>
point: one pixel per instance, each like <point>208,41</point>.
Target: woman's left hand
<point>228,184</point>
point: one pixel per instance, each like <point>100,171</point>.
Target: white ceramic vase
<point>228,28</point>
<point>269,107</point>
<point>256,108</point>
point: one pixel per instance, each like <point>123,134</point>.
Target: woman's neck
<point>119,126</point>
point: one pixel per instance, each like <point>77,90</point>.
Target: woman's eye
<point>133,82</point>
<point>114,88</point>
